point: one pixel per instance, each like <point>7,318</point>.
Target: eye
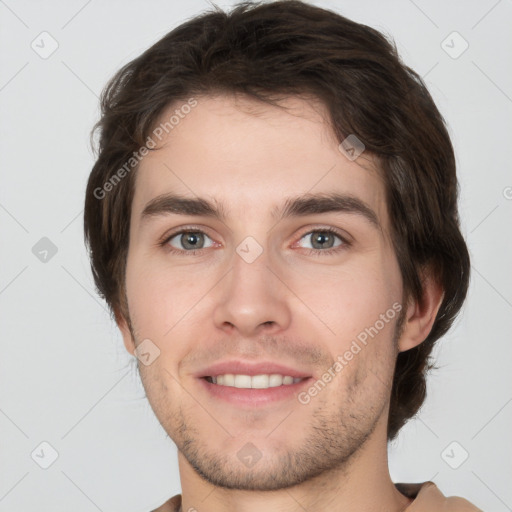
<point>317,242</point>
<point>188,241</point>
<point>325,241</point>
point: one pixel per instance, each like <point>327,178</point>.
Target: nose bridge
<point>250,269</point>
<point>251,294</point>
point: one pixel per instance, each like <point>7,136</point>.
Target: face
<point>271,259</point>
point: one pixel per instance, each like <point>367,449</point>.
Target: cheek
<point>157,298</point>
<point>352,298</point>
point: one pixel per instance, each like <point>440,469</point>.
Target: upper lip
<point>239,367</point>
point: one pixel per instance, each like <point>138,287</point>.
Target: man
<point>272,219</point>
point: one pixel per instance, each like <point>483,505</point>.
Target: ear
<point>420,315</point>
<point>126,332</point>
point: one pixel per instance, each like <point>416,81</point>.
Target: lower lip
<point>253,397</point>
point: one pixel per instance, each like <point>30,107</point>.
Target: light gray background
<point>65,377</point>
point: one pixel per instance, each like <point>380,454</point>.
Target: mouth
<point>252,391</point>
<point>247,384</point>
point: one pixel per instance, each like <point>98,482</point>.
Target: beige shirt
<point>427,498</point>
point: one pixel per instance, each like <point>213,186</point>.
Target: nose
<point>252,299</point>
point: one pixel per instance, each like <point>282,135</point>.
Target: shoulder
<point>428,497</point>
<point>172,505</point>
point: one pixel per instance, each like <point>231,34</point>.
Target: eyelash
<point>310,252</point>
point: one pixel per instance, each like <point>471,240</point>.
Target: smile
<point>263,381</point>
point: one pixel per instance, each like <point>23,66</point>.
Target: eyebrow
<point>299,206</point>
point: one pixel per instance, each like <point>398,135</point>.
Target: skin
<point>289,305</point>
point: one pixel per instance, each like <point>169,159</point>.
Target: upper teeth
<point>254,381</point>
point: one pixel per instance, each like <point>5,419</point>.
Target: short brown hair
<point>290,48</point>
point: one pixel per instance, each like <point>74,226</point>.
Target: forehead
<point>249,156</point>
